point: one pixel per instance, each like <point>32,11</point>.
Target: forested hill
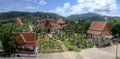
<point>28,15</point>
<point>33,16</point>
<point>91,16</point>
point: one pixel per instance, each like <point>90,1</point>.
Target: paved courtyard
<point>92,53</point>
<point>112,49</point>
<point>64,55</point>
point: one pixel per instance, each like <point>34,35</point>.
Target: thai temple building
<point>25,41</point>
<point>49,24</point>
<point>99,33</point>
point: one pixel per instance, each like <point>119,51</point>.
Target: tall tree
<point>8,43</point>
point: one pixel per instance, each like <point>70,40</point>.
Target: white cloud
<point>94,6</point>
<point>42,2</point>
<point>62,10</point>
<point>105,7</point>
<point>31,7</point>
<point>80,1</point>
<point>66,5</point>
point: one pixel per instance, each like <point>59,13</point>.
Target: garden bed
<point>48,45</point>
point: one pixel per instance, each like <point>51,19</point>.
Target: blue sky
<point>63,7</point>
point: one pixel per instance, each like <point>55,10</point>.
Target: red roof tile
<point>61,22</point>
<point>97,25</point>
<point>30,44</point>
<point>28,38</point>
<point>94,32</point>
<point>58,24</point>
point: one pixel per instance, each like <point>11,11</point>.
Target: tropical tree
<point>8,43</point>
<point>115,28</point>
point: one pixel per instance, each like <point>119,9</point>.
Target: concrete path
<point>60,42</point>
<point>112,49</point>
<point>63,46</point>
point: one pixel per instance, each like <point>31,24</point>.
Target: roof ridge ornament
<point>22,37</point>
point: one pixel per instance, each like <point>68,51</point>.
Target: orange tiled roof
<point>97,25</point>
<point>61,22</point>
<point>43,22</point>
<point>96,28</point>
<point>58,24</point>
<point>28,38</point>
<point>94,32</point>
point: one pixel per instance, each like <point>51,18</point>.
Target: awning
<point>94,32</point>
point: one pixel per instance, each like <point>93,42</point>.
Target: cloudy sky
<point>63,7</point>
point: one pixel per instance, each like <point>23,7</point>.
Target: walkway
<point>61,43</point>
<point>63,46</point>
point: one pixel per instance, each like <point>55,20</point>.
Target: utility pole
<point>117,46</point>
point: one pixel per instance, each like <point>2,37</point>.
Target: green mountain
<point>35,16</point>
<point>29,15</point>
<point>91,16</point>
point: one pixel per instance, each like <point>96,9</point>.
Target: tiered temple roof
<point>96,28</point>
